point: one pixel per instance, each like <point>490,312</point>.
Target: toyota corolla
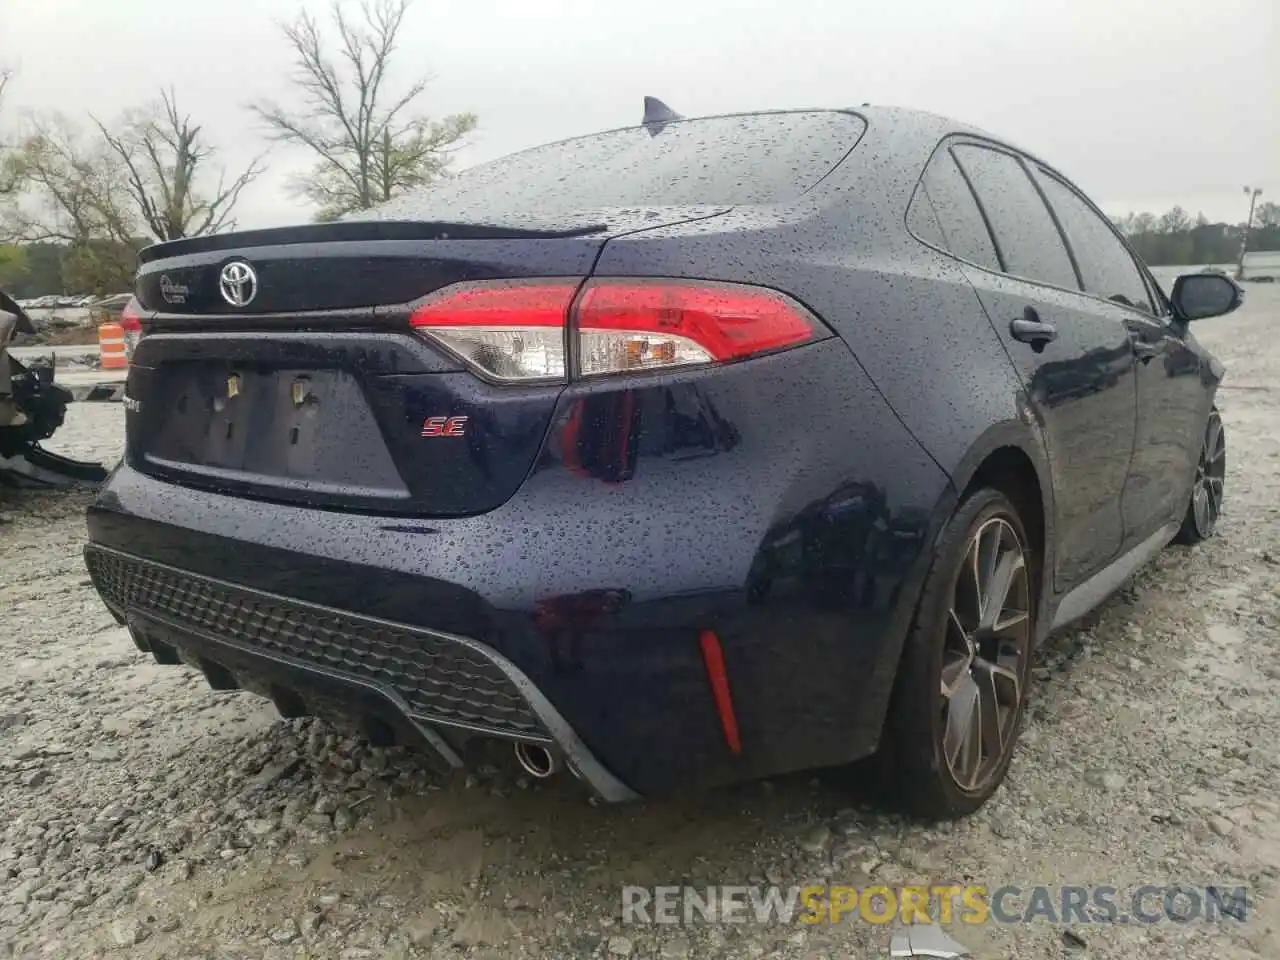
<point>680,454</point>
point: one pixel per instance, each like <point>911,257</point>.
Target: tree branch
<point>164,156</point>
<point>368,146</point>
<point>218,210</point>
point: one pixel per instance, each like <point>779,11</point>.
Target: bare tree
<point>73,188</point>
<point>370,144</point>
<point>1125,223</point>
<point>72,191</point>
<point>1144,223</point>
<point>6,76</point>
<point>8,169</point>
<point>163,155</point>
<point>1176,220</point>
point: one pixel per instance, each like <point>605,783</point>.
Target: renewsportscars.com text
<point>972,904</point>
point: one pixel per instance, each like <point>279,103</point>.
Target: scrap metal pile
<point>32,408</point>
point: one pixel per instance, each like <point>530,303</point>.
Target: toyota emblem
<point>238,283</point>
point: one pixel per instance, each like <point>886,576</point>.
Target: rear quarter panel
<point>905,310</point>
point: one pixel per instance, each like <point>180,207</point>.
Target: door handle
<point>1029,328</point>
<point>1146,350</point>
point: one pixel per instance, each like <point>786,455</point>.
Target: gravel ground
<point>146,816</point>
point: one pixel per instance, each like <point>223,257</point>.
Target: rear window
<point>958,215</point>
<point>720,161</point>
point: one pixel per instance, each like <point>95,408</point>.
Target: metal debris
<point>926,940</point>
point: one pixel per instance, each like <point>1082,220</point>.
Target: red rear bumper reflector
<point>713,657</point>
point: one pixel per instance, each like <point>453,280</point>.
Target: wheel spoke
<point>996,589</point>
<point>985,558</point>
<point>954,670</point>
<point>972,762</point>
<point>965,599</point>
<point>989,714</point>
<point>957,654</point>
<point>961,739</point>
<point>1004,680</point>
<point>1214,446</point>
<point>1200,503</point>
<point>1008,621</point>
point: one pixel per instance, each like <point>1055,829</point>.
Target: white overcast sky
<point>1145,103</point>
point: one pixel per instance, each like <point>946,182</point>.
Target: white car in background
<point>1262,266</point>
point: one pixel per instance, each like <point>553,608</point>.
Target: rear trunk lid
<point>314,390</point>
<point>282,364</point>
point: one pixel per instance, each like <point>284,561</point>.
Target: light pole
<point>1254,193</point>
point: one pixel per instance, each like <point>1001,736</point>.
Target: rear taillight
<point>520,330</point>
<point>640,325</point>
<point>131,324</point>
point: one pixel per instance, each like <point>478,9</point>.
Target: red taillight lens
<point>518,330</point>
<point>131,324</point>
<point>631,325</point>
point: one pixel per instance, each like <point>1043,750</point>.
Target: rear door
<point>1072,352</point>
<point>1173,401</point>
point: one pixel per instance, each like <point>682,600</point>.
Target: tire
<point>1204,505</point>
<point>956,660</point>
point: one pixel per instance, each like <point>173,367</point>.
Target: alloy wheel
<point>987,643</point>
<point>1206,495</point>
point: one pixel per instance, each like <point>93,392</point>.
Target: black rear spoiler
<point>357,230</point>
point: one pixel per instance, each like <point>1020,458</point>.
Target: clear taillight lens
<point>518,331</point>
<point>617,351</point>
<point>510,331</point>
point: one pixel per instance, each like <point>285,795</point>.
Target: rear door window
<point>958,215</point>
<point>1027,239</point>
<point>1106,266</point>
<point>718,161</point>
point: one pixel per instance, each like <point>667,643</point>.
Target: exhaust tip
<point>537,761</point>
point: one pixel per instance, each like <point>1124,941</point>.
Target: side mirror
<point>1199,295</point>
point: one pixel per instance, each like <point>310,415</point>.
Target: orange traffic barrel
<point>111,347</point>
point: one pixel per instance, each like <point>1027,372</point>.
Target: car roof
<point>919,124</point>
<point>921,127</point>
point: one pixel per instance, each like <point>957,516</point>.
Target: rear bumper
<point>309,659</point>
<point>777,503</point>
